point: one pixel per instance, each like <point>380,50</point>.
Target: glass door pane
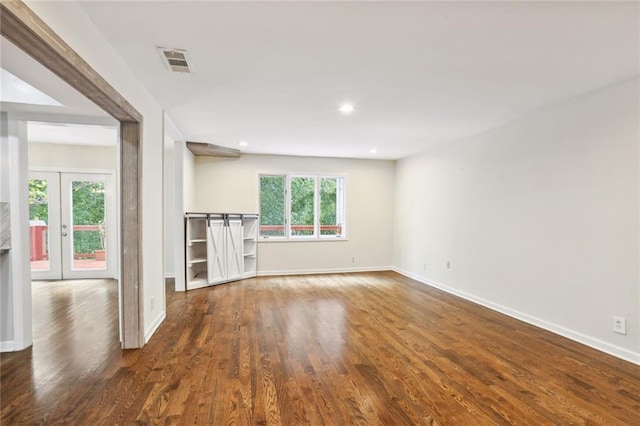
<point>38,224</point>
<point>44,231</point>
<point>88,225</point>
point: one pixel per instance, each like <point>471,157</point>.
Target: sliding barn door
<point>216,264</point>
<point>235,257</point>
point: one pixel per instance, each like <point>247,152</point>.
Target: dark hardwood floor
<point>369,348</point>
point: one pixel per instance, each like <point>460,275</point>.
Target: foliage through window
<point>88,209</point>
<point>272,206</point>
<point>302,207</point>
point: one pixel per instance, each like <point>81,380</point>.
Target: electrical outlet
<point>153,303</point>
<point>620,325</point>
<point>448,264</point>
<point>353,259</point>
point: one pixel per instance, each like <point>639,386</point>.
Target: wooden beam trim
<point>211,150</point>
<point>131,235</point>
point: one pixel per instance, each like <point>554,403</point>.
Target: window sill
<point>301,240</point>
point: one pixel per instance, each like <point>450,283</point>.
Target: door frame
<point>59,265</point>
<point>20,25</point>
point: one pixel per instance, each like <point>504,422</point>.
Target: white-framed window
<point>302,206</point>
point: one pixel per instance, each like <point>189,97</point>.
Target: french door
<point>72,225</point>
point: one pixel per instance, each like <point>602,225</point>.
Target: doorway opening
<point>23,28</point>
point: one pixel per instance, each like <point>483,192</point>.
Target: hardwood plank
<point>368,349</point>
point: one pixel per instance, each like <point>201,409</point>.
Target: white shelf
<point>196,253</point>
<point>250,237</point>
<point>198,282</point>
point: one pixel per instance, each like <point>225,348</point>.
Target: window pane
<point>331,210</point>
<point>272,191</point>
<point>302,206</point>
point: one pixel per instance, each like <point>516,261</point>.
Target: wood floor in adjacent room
<point>369,348</point>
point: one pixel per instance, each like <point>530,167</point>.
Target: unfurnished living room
<point>319,212</point>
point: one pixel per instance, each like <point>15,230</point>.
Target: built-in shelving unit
<point>220,247</point>
<point>196,251</point>
<point>250,244</point>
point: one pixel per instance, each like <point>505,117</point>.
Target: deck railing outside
<point>38,239</point>
<point>278,230</point>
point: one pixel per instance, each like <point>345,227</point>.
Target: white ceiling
<point>72,134</point>
<point>27,69</point>
<point>419,73</point>
<point>48,125</point>
<point>15,90</point>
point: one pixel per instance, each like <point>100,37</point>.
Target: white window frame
<point>340,207</point>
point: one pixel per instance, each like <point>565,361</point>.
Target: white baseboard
<point>154,326</point>
<point>325,271</point>
<point>7,346</point>
<point>592,342</point>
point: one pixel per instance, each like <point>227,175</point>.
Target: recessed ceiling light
<point>373,151</point>
<point>243,143</point>
<point>346,108</point>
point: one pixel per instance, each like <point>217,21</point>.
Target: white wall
<point>183,201</point>
<point>6,293</point>
<point>188,180</point>
<point>15,277</point>
<point>539,218</point>
<point>169,202</point>
<point>231,186</point>
<point>74,27</point>
<point>6,308</point>
<point>80,157</point>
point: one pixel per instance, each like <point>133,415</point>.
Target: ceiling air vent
<point>175,59</point>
